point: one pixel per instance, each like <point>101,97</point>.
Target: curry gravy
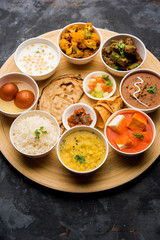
<point>149,93</point>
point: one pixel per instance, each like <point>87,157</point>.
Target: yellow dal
<point>82,143</point>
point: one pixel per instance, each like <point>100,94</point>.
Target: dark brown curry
<point>148,96</point>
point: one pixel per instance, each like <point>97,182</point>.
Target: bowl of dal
<point>140,89</point>
<point>82,149</point>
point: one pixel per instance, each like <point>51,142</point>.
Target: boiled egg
<point>24,99</point>
<point>8,91</point>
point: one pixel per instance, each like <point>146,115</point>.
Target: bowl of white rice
<point>34,133</point>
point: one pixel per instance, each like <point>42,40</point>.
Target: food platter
<point>48,171</point>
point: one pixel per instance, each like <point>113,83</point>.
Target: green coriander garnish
<point>139,135</point>
<point>38,52</point>
<point>88,34</point>
<point>152,89</point>
<point>80,159</point>
<point>39,131</point>
<point>120,46</point>
<point>105,77</point>
<point>116,56</point>
<point>114,41</point>
<point>108,81</point>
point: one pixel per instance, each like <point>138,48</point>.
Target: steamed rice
<point>23,134</point>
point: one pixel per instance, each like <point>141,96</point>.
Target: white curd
<point>37,59</point>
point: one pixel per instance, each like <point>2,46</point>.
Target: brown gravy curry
<point>149,90</point>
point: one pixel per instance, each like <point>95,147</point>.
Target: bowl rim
<point>130,110</point>
<point>123,34</point>
<point>146,110</point>
<point>88,128</point>
<point>35,101</point>
<point>102,72</point>
<point>79,59</point>
<point>34,39</point>
<point>80,105</point>
<point>34,112</point>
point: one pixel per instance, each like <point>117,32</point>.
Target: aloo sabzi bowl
<point>80,60</point>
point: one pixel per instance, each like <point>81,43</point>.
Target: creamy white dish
<point>37,59</point>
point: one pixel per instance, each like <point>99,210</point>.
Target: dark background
<point>29,211</point>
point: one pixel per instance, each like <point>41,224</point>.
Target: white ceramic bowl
<point>16,77</point>
<point>24,44</point>
<point>29,114</point>
<point>95,74</point>
<point>124,111</point>
<point>79,61</point>
<point>70,110</point>
<point>149,110</point>
<point>86,128</point>
<point>138,43</point>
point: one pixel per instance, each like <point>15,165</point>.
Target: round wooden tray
<point>48,171</point>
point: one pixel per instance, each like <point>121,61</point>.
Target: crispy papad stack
<point>115,103</point>
<point>104,108</point>
<point>102,115</point>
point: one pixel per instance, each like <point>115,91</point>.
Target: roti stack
<point>104,109</point>
<point>60,93</point>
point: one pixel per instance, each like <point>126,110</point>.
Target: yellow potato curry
<point>79,42</point>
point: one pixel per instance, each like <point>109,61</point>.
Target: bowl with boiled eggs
<point>18,94</point>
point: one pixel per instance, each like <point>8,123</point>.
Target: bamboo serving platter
<point>48,171</point>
